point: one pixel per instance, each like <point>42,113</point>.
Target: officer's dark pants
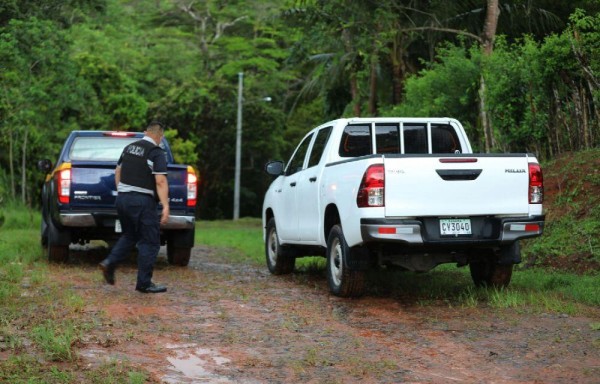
<point>141,227</point>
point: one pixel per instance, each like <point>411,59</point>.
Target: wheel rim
<point>335,264</point>
<point>272,247</point>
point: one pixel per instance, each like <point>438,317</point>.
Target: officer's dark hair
<point>155,124</point>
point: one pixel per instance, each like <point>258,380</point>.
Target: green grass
<point>56,340</point>
<point>244,235</point>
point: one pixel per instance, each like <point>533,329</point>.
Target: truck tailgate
<point>92,185</point>
<point>438,186</point>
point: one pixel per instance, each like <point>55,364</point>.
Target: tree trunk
<point>13,190</point>
<point>491,24</point>
<point>354,89</point>
<point>577,104</point>
<point>24,169</point>
<point>397,83</point>
<point>373,87</point>
<point>585,125</point>
<point>489,34</point>
<point>560,118</point>
<point>355,95</point>
<point>483,116</point>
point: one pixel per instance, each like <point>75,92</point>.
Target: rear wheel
<point>178,256</point>
<point>491,274</point>
<point>343,281</point>
<point>179,247</point>
<point>279,261</point>
<point>57,247</point>
<point>44,232</point>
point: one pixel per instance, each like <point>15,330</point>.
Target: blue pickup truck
<point>79,192</point>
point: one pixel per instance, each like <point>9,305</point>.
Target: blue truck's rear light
<point>119,134</point>
<point>64,186</point>
<point>192,187</point>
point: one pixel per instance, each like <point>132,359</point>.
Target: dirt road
<point>235,323</point>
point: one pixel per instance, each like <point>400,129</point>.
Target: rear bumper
<point>487,231</point>
<point>87,220</point>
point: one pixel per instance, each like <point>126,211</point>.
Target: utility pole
<point>238,149</point>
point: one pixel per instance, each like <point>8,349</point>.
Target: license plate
<point>118,228</point>
<point>455,227</point>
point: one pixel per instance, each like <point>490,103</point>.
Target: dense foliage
<point>115,64</point>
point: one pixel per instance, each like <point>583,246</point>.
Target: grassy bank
<point>571,240</point>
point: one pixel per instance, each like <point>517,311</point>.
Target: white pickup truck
<point>404,192</point>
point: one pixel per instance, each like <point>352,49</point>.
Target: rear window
<point>356,141</point>
<point>387,138</point>
<point>444,139</point>
<point>99,148</point>
<point>416,140</point>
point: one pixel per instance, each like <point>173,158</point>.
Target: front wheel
<point>491,274</point>
<point>279,262</point>
<point>343,281</point>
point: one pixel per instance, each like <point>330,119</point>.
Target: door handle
<point>293,184</point>
<point>313,179</point>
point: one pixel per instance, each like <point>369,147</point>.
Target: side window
<point>356,141</point>
<point>297,160</point>
<point>387,138</point>
<point>319,146</point>
<point>444,139</point>
<point>415,138</point>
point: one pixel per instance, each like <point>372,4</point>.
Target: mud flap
<point>358,259</point>
<point>510,254</point>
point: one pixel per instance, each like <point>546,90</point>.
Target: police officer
<point>141,179</point>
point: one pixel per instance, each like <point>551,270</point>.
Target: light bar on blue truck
<point>119,134</point>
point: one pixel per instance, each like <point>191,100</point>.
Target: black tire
<point>343,281</point>
<point>44,232</point>
<point>58,241</point>
<point>490,274</point>
<point>279,261</point>
<point>179,246</point>
<point>178,256</point>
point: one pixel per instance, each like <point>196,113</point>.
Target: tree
<point>37,88</point>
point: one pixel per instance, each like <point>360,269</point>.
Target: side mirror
<point>44,165</point>
<point>274,168</point>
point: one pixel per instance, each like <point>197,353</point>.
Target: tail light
<point>192,187</point>
<point>536,184</point>
<point>372,187</point>
<point>63,183</point>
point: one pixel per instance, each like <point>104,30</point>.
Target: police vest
<point>135,169</point>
